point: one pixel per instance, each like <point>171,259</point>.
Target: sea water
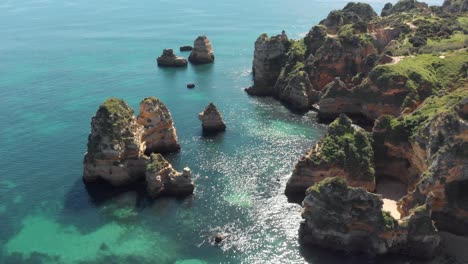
<point>59,59</point>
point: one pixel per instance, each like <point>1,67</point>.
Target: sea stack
<point>115,149</point>
<point>351,219</point>
<point>202,52</point>
<point>211,119</point>
<point>162,179</point>
<point>159,132</point>
<point>169,59</point>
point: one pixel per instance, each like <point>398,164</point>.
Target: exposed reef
<point>118,142</point>
<point>345,152</point>
<point>169,59</point>
<point>202,52</point>
<point>350,219</point>
<point>211,119</point>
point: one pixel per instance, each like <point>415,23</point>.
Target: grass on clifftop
<point>349,148</point>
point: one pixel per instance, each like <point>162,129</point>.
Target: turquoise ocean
<point>59,59</point>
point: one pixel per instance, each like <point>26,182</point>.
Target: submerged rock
<point>211,119</point>
<point>162,179</point>
<point>159,132</point>
<point>169,59</point>
<point>344,218</point>
<point>115,151</point>
<point>345,152</point>
<point>202,52</point>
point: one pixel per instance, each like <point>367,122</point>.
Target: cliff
<point>349,219</point>
<point>202,52</point>
<point>345,152</point>
<point>115,149</point>
<point>159,133</point>
<point>432,142</point>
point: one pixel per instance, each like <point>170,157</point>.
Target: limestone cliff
<point>269,57</point>
<point>115,149</point>
<point>159,132</point>
<point>432,142</point>
<point>162,179</point>
<point>202,51</point>
<point>211,119</point>
<point>344,218</point>
<point>345,152</point>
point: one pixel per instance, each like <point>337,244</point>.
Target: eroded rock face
<point>115,149</point>
<point>344,218</point>
<point>455,6</point>
<point>202,52</point>
<point>211,119</point>
<point>269,57</point>
<point>169,59</point>
<point>159,132</point>
<point>162,179</point>
<point>431,146</point>
<point>345,152</point>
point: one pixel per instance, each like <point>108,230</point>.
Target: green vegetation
<point>389,221</point>
<point>348,147</point>
<point>298,47</point>
<point>332,183</point>
<point>156,163</point>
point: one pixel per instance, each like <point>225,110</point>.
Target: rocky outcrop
<point>430,144</point>
<point>169,59</point>
<point>211,119</point>
<point>159,132</point>
<point>162,179</point>
<point>202,52</point>
<point>269,57</point>
<point>345,152</point>
<point>344,218</point>
<point>405,6</point>
<point>186,48</point>
<point>350,14</point>
<point>115,150</point>
<point>455,6</point>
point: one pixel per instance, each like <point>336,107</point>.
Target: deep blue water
<point>60,59</point>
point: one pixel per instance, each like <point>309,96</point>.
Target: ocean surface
<point>59,59</point>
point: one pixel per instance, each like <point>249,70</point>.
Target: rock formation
<point>351,219</point>
<point>430,145</point>
<point>169,59</point>
<point>455,6</point>
<point>115,149</point>
<point>202,52</point>
<point>211,119</point>
<point>186,48</point>
<point>162,179</point>
<point>405,6</point>
<point>118,141</point>
<point>345,152</point>
<point>269,57</point>
<point>159,133</point>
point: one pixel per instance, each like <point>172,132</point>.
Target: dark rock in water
<point>186,48</point>
<point>218,238</point>
<point>211,118</point>
<point>169,59</point>
<point>190,85</point>
<point>202,52</point>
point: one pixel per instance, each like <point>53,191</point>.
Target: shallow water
<point>60,59</point>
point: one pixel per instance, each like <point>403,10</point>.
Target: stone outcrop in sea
<point>115,149</point>
<point>162,179</point>
<point>211,119</point>
<point>345,152</point>
<point>159,132</point>
<point>169,59</point>
<point>118,142</point>
<point>202,52</point>
<point>344,218</point>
